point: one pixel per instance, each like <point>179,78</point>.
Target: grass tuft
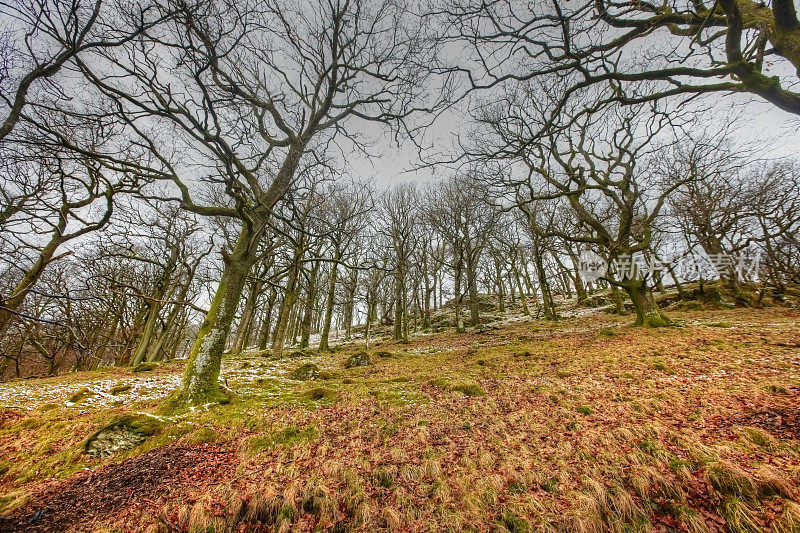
<point>513,523</point>
<point>469,389</point>
<point>731,481</point>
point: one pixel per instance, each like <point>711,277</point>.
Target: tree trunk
<point>200,379</point>
<point>169,327</point>
<point>329,301</point>
<point>29,279</point>
<point>155,306</point>
<point>548,306</point>
<point>401,309</point>
<point>266,321</point>
<point>308,310</point>
<point>500,287</point>
<point>472,287</point>
<point>248,313</point>
<point>525,310</point>
<point>459,319</point>
<point>349,309</point>
<point>527,277</point>
<point>289,297</point>
<point>647,310</point>
<point>147,335</point>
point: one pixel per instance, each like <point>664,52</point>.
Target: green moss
<point>677,465</point>
<point>320,393</point>
<point>661,366</point>
<point>759,437</point>
<point>81,395</point>
<point>584,410</point>
<point>358,359</point>
<point>517,487</point>
<point>119,388</point>
<point>606,332</point>
<point>383,354</point>
<point>286,514</point>
<point>441,383</point>
<point>383,478</point>
<point>31,423</point>
<point>469,389</point>
<point>287,437</point>
<point>305,372</point>
<point>656,321</point>
<point>649,447</point>
<point>549,485</point>
<point>204,435</point>
<point>122,433</point>
<point>145,367</point>
<point>514,523</point>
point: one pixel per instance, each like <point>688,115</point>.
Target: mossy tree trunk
<point>155,305</point>
<point>401,308</point>
<point>289,298</point>
<point>329,301</point>
<point>647,311</point>
<point>248,315</point>
<point>548,307</point>
<point>457,301</point>
<point>472,256</point>
<point>350,305</point>
<point>29,279</point>
<point>200,379</point>
<point>523,298</point>
<point>266,321</point>
<point>500,288</point>
<point>308,308</point>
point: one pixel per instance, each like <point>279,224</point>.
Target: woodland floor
<point>588,424</point>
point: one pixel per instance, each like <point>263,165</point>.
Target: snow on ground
<point>238,373</point>
<point>31,394</point>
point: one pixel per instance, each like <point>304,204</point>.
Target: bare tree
<point>633,51</point>
<point>457,209</point>
<point>78,198</point>
<point>346,211</point>
<point>399,214</point>
<point>262,84</point>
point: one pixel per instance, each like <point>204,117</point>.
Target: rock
<point>119,388</point>
<point>145,367</point>
<point>306,372</point>
<point>81,395</point>
<point>121,435</point>
<point>112,441</point>
<point>320,393</point>
<point>358,359</point>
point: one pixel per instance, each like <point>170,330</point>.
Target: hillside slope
<point>587,424</point>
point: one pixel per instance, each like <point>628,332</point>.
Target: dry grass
<point>585,425</point>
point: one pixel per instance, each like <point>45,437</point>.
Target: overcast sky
<point>760,125</point>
